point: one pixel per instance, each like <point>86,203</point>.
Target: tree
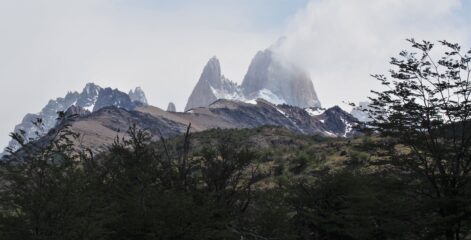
<point>425,115</point>
<point>351,205</point>
<point>164,191</point>
<point>45,194</point>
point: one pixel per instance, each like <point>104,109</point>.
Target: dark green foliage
<point>212,188</point>
<point>299,163</point>
<point>174,196</point>
<point>46,195</point>
<point>425,118</point>
<point>348,205</point>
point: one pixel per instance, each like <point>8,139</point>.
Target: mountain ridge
<point>91,98</point>
<point>99,129</point>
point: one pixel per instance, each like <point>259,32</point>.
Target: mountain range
<point>273,92</point>
<point>91,98</point>
<point>99,129</point>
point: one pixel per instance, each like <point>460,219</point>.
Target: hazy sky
<point>49,47</point>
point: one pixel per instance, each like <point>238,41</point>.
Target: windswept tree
<point>425,113</point>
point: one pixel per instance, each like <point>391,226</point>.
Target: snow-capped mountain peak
<point>88,97</point>
<point>92,98</point>
<point>211,86</point>
<point>268,77</point>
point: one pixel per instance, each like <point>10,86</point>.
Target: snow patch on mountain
<point>229,95</point>
<point>348,126</point>
<point>270,96</point>
<point>283,113</point>
<point>238,96</point>
<point>314,111</point>
<point>90,108</point>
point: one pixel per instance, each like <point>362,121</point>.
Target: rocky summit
<point>212,85</point>
<point>113,97</point>
<point>272,78</point>
<point>90,99</point>
<point>138,95</point>
<point>269,77</point>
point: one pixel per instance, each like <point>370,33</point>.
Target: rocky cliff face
<point>91,98</point>
<point>269,73</point>
<point>113,97</point>
<point>337,121</point>
<point>212,85</point>
<point>76,111</point>
<point>88,97</point>
<point>269,77</point>
<point>138,95</point>
<point>171,107</point>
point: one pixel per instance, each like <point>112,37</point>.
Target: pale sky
<point>49,47</point>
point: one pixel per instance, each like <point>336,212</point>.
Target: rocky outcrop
<point>171,107</point>
<point>76,111</point>
<point>88,96</point>
<point>337,121</point>
<point>138,95</point>
<point>212,85</point>
<point>113,97</point>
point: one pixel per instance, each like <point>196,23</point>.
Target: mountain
<point>100,128</point>
<point>138,95</point>
<point>269,77</point>
<point>338,121</point>
<point>92,98</point>
<point>212,85</point>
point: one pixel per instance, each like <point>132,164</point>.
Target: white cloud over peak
<point>342,42</point>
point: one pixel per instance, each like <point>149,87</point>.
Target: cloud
<point>342,42</point>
